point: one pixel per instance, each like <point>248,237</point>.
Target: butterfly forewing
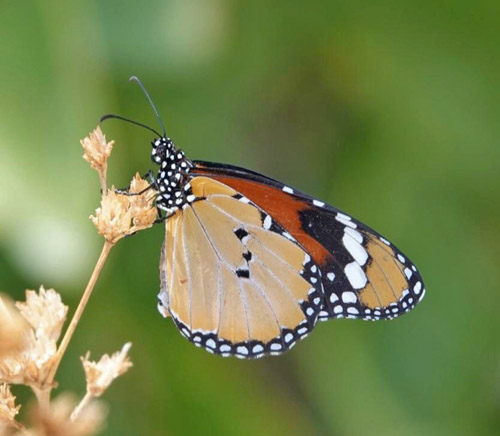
<point>233,280</point>
<point>363,275</point>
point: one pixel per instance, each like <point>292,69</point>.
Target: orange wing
<point>233,280</point>
<point>363,274</point>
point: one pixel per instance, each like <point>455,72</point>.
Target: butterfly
<point>250,265</point>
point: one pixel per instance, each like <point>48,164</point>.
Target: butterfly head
<point>172,180</point>
<point>163,149</point>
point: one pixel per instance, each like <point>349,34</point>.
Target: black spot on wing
<point>240,233</point>
<point>243,273</point>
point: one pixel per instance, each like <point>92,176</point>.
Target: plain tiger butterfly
<point>250,265</point>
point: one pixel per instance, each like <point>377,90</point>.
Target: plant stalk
<point>79,310</point>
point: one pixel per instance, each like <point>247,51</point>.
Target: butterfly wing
<point>363,274</point>
<point>233,280</point>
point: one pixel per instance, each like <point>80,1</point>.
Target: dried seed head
<point>45,314</point>
<point>122,215</point>
<point>13,328</point>
<point>97,152</point>
<point>99,375</point>
<point>8,408</point>
<point>96,149</point>
<point>55,420</point>
<point>143,210</point>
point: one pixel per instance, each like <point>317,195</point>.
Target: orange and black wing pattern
<point>362,274</point>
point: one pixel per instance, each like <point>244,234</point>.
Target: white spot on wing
<point>257,348</point>
<point>287,189</point>
<point>354,233</point>
<point>318,203</point>
<point>355,275</point>
<point>345,219</point>
<point>242,350</point>
<point>356,250</point>
<point>210,343</point>
<point>408,273</point>
<point>267,222</point>
<point>330,276</point>
<point>349,297</point>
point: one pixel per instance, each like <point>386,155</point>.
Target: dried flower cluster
<point>123,215</point>
<point>99,375</point>
<point>12,328</point>
<point>39,320</point>
<point>30,351</point>
<point>97,152</point>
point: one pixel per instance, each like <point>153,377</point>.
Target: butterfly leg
<point>149,176</point>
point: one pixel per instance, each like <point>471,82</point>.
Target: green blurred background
<point>388,110</point>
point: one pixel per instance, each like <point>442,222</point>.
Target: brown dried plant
<point>30,351</point>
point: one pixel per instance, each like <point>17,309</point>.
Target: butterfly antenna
<point>136,80</point>
<point>119,117</point>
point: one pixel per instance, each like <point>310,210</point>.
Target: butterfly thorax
<point>172,179</point>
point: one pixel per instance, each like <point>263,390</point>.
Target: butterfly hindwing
<point>233,280</point>
<point>363,274</point>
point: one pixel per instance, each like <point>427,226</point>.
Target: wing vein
<point>188,274</point>
<point>172,274</point>
<point>222,260</point>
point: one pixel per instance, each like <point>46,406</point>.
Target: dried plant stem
<point>102,177</point>
<point>85,400</point>
<point>79,310</point>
